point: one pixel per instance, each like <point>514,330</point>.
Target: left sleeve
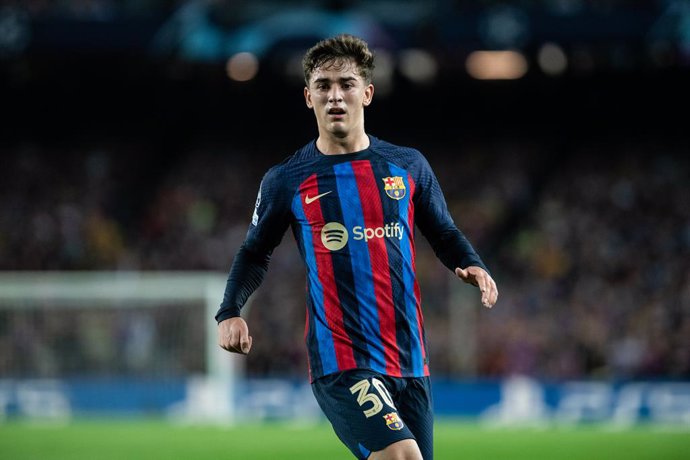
<point>436,224</point>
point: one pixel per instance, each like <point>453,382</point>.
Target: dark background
<point>125,146</point>
<point>96,70</point>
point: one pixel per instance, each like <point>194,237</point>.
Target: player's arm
<point>449,244</point>
<point>247,273</point>
<point>269,222</point>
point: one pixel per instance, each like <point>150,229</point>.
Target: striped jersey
<point>353,217</point>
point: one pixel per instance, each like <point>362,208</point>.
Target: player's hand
<point>479,277</point>
<point>233,335</point>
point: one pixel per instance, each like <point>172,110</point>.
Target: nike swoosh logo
<point>310,200</point>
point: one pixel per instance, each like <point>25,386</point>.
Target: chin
<point>338,130</point>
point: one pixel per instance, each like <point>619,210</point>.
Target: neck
<point>333,145</point>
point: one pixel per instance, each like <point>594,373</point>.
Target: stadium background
<point>130,144</point>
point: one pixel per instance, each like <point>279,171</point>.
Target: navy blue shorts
<point>370,411</point>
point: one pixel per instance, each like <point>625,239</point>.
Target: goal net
<point>136,343</point>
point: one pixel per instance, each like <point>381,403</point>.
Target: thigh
<point>416,408</point>
<point>361,410</point>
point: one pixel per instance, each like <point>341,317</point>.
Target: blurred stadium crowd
<point>591,254</point>
<point>123,152</point>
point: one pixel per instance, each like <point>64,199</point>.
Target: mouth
<point>336,112</point>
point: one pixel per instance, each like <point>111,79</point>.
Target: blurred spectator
<point>589,244</point>
<point>591,252</point>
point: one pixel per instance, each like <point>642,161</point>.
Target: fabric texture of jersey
<point>353,217</point>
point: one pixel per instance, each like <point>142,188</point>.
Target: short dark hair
<point>336,51</point>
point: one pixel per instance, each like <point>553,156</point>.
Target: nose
<point>335,95</point>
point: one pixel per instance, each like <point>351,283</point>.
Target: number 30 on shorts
<point>362,388</point>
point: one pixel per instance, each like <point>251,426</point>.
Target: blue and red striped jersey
<point>353,217</point>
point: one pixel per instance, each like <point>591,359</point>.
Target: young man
<point>352,201</point>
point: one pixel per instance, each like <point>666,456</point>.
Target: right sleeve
<point>270,220</point>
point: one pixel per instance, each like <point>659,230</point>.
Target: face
<point>338,95</point>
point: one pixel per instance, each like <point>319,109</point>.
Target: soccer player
<point>353,201</point>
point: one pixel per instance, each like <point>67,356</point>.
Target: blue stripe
<point>323,334</point>
<point>361,265</point>
<point>409,276</point>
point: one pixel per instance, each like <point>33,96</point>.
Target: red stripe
<point>306,329</point>
<point>417,291</point>
<point>372,208</point>
<point>324,265</point>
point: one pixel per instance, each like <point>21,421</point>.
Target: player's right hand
<point>233,336</point>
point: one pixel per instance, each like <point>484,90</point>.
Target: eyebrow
<point>326,80</point>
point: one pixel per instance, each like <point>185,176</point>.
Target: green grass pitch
<point>132,440</point>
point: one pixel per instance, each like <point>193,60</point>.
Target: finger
<point>465,275</point>
<point>232,341</point>
<point>483,285</point>
<point>479,280</point>
<point>223,338</point>
<point>228,341</point>
<point>235,349</point>
<point>492,293</point>
<point>244,341</point>
<point>247,344</point>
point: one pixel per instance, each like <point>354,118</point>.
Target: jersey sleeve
<point>435,222</point>
<point>269,222</point>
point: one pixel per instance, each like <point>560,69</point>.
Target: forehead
<point>336,69</point>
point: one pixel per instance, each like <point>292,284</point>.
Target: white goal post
<point>210,396</point>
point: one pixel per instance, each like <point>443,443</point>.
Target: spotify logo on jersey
<point>334,236</point>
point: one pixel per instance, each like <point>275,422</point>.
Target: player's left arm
<point>448,242</point>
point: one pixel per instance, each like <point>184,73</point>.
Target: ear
<point>307,98</point>
<point>368,95</point>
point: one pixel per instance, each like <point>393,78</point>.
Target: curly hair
<point>337,52</point>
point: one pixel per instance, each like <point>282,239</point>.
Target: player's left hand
<point>477,276</point>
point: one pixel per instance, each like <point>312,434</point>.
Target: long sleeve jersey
<point>353,217</point>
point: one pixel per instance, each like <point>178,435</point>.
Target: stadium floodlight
<point>496,65</point>
<point>242,66</point>
<point>552,59</point>
<point>418,65</point>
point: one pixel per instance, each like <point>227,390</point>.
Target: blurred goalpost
<point>141,301</point>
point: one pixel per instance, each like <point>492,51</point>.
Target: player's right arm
<point>270,220</point>
<point>247,273</point>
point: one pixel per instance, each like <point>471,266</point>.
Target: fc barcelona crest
<point>393,421</point>
<point>395,187</point>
